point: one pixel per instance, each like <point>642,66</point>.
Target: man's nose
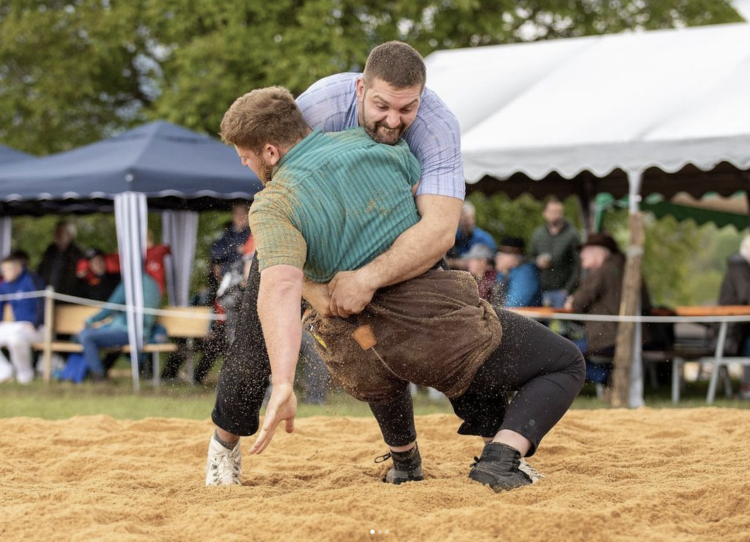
<point>392,120</point>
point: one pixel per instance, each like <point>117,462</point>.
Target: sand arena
<point>612,475</point>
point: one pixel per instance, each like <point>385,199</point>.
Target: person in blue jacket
<point>115,331</point>
<point>517,282</point>
<point>28,316</point>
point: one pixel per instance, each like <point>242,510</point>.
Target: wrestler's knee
<point>575,364</point>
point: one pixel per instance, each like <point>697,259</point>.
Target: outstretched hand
<point>282,406</point>
<point>350,293</point>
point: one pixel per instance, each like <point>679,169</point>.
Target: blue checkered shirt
<point>434,138</point>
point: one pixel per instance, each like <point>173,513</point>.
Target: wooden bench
<point>63,319</point>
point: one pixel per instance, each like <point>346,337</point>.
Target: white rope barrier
<point>637,319</point>
<point>106,305</point>
<point>525,312</point>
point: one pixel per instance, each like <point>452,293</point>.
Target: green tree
<point>74,71</point>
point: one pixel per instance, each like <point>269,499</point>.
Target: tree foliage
<point>73,71</point>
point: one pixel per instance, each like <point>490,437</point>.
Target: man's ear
<point>271,153</point>
<point>360,88</point>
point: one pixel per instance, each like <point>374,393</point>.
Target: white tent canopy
<point>607,106</point>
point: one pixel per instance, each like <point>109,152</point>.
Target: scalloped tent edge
<point>667,109</point>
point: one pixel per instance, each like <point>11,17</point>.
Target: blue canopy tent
<point>157,166</point>
<point>8,155</point>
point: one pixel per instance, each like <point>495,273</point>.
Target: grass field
<point>60,400</point>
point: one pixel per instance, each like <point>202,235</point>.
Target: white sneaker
<point>223,467</point>
<point>532,473</point>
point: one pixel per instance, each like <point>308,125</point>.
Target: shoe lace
<point>383,458</point>
<point>476,461</point>
<point>224,464</point>
<point>530,471</point>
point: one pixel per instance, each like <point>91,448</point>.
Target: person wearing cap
<point>735,290</point>
<point>600,291</point>
<point>517,282</point>
<point>480,262</point>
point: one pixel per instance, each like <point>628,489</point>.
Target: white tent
<point>604,109</point>
<point>663,111</point>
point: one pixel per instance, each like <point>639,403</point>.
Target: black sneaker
<point>497,467</point>
<point>407,466</point>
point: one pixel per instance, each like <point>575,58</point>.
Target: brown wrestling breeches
<point>432,330</point>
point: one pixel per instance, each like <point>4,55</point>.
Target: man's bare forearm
<point>420,247</point>
<point>278,308</point>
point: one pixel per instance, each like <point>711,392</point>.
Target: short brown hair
<point>396,63</point>
<point>265,115</point>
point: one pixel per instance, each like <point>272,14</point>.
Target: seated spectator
<point>735,290</point>
<point>480,262</point>
<point>115,331</point>
<point>95,281</point>
<point>28,316</point>
<point>517,280</point>
<point>467,236</point>
<point>600,292</point>
<point>58,265</point>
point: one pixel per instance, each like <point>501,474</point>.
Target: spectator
<point>600,292</point>
<point>230,247</point>
<point>467,236</point>
<point>735,290</point>
<point>58,265</point>
<point>115,331</point>
<point>480,262</point>
<point>28,314</point>
<point>155,255</point>
<point>517,283</point>
<point>554,250</point>
<point>95,281</point>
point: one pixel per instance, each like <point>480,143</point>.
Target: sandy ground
<point>645,475</point>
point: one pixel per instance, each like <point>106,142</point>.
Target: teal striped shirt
<point>336,201</point>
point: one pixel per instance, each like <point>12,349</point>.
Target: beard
<point>265,173</point>
<point>381,133</point>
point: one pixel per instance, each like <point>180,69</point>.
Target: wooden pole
<point>49,324</point>
<point>629,304</point>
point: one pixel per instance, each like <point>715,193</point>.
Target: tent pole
<point>130,217</point>
<point>627,379</point>
<point>6,227</point>
<point>587,205</point>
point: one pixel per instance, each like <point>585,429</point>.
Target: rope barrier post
<point>629,303</point>
<point>49,324</point>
